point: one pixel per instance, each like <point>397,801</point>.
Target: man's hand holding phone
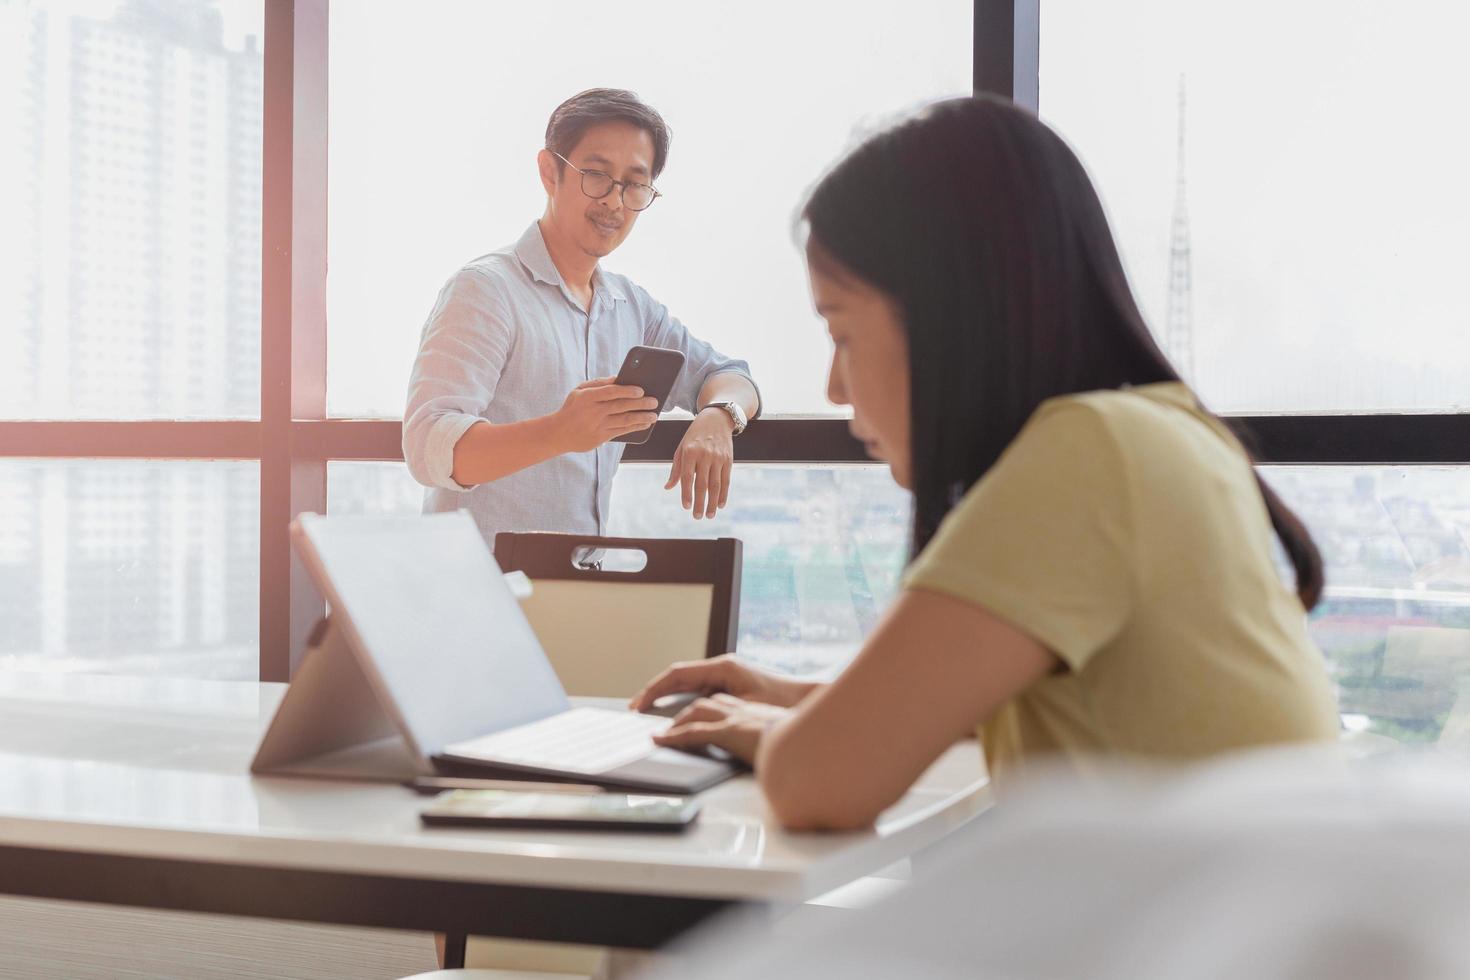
<point>599,410</point>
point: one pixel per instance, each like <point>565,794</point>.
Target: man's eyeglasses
<point>597,185</point>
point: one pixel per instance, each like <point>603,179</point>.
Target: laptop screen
<point>433,614</point>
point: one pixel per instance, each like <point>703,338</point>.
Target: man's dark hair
<point>586,109</point>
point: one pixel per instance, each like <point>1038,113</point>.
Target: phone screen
<point>611,811</point>
<point>654,369</point>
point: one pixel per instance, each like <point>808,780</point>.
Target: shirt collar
<point>531,250</point>
<point>607,289</point>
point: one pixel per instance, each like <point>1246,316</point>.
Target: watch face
<point>737,413</point>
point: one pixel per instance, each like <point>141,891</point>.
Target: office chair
<point>608,632</point>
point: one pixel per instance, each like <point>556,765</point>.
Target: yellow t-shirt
<point>1124,531</point>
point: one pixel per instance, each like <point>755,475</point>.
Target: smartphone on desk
<point>560,811</point>
<point>436,785</point>
<point>654,369</point>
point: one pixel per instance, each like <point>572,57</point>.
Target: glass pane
<point>1395,622</point>
<point>433,163</point>
<point>823,545</point>
<point>1314,216</point>
<point>147,568</point>
<point>377,489</point>
<point>130,189</point>
<point>823,549</point>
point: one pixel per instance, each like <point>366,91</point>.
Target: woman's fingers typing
<point>696,675</point>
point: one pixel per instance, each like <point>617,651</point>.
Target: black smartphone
<point>654,369</point>
<point>560,811</point>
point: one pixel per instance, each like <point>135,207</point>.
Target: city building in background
<point>131,289</point>
<point>135,176</point>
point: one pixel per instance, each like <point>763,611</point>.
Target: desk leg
<point>454,944</point>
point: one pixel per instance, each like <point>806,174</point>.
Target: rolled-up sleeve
<point>465,345</point>
<point>701,361</point>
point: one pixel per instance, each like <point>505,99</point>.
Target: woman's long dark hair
<point>985,229</point>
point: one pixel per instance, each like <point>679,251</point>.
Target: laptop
<point>426,637</point>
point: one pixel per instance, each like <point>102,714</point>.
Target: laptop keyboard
<point>585,740</point>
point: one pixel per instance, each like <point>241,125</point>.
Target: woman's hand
<point>722,675</point>
<point>725,722</point>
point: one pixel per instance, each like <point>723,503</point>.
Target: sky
<point>1327,150</point>
<point>1326,153</point>
<point>435,131</point>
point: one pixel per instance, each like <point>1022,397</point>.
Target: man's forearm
<point>730,387</point>
<point>487,451</point>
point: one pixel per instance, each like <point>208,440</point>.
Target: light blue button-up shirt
<point>506,342</point>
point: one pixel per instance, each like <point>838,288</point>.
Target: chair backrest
<point>607,632</point>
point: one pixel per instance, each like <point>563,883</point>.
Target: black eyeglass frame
<point>621,185</point>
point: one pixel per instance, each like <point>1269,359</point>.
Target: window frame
<point>294,440</point>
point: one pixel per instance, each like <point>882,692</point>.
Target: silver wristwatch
<point>736,413</point>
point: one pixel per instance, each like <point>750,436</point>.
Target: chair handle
<point>593,558</point>
<point>574,556</point>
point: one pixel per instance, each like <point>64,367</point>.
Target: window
<point>1394,622</point>
<point>823,545</point>
<point>372,489</point>
<point>823,549</point>
<point>130,182</point>
<point>433,162</point>
<point>130,567</point>
<point>130,283</point>
<point>1312,221</point>
<point>126,299</point>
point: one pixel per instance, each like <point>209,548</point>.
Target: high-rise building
<point>161,169</point>
<point>133,165</point>
<point>21,48</point>
<point>21,39</point>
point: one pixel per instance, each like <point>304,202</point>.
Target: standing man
<point>511,404</point>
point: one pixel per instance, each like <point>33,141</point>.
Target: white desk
<point>136,792</point>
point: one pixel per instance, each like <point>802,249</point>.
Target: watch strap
<point>736,413</point>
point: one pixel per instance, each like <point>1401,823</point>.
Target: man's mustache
<point>605,217</point>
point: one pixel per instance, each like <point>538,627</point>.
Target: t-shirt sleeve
<point>1044,540</point>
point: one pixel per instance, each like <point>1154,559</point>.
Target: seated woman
<point>1092,571</point>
